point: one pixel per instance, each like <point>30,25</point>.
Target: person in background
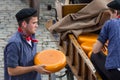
<point>80,1</point>
<point>20,51</point>
<point>36,5</point>
<point>108,66</point>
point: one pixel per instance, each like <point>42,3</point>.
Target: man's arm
<point>97,47</point>
<point>22,70</point>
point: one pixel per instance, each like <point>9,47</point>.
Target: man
<point>108,66</point>
<point>21,49</point>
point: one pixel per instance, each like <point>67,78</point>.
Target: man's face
<point>32,26</point>
<point>114,14</point>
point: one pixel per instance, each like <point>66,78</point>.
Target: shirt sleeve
<point>103,36</point>
<point>12,57</point>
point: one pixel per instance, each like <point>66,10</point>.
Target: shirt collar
<point>28,38</point>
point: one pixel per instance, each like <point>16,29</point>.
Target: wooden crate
<point>63,10</point>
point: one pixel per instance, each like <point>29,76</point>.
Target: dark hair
<point>113,11</point>
<point>26,19</point>
<point>118,12</point>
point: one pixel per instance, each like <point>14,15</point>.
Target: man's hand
<point>41,69</point>
<point>97,47</point>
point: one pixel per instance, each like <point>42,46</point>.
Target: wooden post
<point>67,1</point>
<point>36,5</point>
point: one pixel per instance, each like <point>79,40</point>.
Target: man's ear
<point>24,24</point>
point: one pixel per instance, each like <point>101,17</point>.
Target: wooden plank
<point>71,8</point>
<point>48,24</point>
<point>83,55</point>
<point>64,9</point>
<point>83,66</point>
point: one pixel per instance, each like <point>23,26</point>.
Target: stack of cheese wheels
<point>86,41</point>
<point>54,60</point>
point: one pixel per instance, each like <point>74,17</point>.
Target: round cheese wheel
<point>87,46</point>
<point>89,54</point>
<point>88,37</point>
<point>105,51</point>
<point>54,60</point>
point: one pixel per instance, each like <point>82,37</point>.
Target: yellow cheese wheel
<point>89,54</point>
<point>54,60</point>
<point>104,52</point>
<point>87,46</point>
<point>87,37</point>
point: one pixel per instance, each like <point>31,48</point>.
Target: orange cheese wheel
<point>87,37</point>
<point>54,60</point>
<point>105,51</point>
<point>89,54</point>
<point>87,46</point>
